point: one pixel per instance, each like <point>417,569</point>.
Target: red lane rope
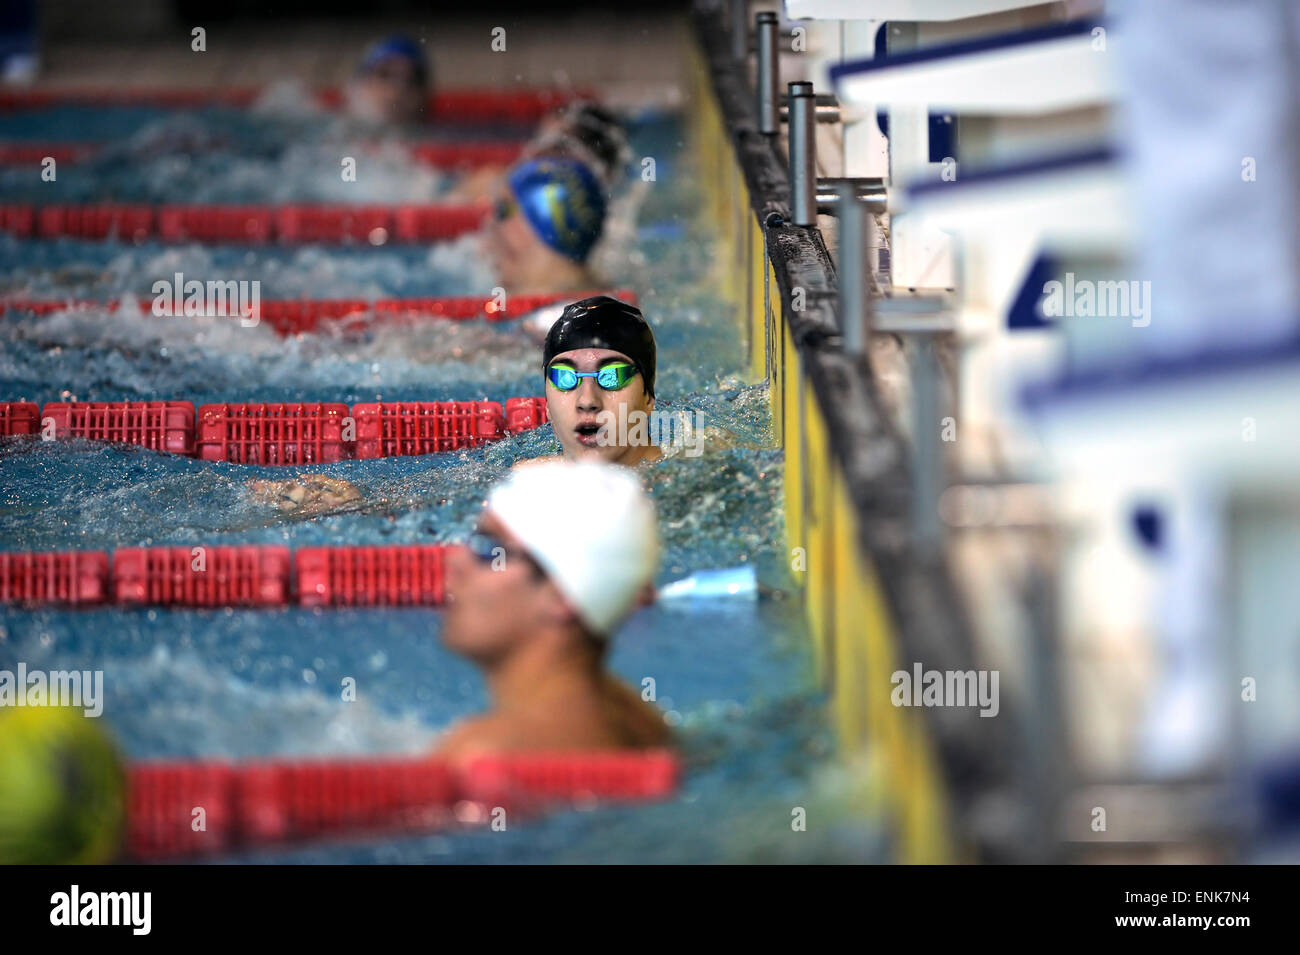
<point>294,316</point>
<point>401,428</point>
<point>370,576</point>
<point>452,156</point>
<point>252,575</point>
<point>270,433</point>
<point>21,154</point>
<point>467,155</point>
<point>159,97</point>
<point>179,809</point>
<point>500,106</point>
<point>446,106</point>
<point>254,224</point>
<point>267,433</point>
<point>249,576</point>
<point>166,426</point>
<point>71,578</point>
<point>19,417</point>
<point>279,433</point>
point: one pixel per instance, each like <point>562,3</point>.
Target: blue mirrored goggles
<point>504,208</point>
<point>611,377</point>
<point>486,548</point>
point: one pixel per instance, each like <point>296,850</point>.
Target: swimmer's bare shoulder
<point>476,736</point>
<point>529,462</point>
<point>539,731</point>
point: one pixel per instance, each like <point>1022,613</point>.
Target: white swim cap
<point>600,564</point>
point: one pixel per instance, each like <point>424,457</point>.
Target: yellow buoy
<point>62,787</point>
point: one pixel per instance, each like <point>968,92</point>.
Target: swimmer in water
<point>585,131</point>
<point>547,216</point>
<point>309,494</point>
<point>563,552</point>
<point>392,84</point>
<point>599,363</point>
<point>598,366</point>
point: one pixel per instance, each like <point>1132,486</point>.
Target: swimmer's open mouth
<point>586,433</point>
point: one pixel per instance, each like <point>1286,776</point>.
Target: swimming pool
<point>735,677</point>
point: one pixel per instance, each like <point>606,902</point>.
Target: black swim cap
<point>602,134</point>
<point>592,134</point>
<point>604,322</point>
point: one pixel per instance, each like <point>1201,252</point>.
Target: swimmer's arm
<point>310,492</point>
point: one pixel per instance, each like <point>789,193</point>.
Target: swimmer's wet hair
<point>601,133</point>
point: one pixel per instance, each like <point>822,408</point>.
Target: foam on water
<point>255,157</point>
<point>71,268</point>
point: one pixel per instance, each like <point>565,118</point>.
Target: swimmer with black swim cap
<point>599,365</point>
<point>588,132</point>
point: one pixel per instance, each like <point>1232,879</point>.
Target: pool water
<point>281,150</point>
<point>733,676</point>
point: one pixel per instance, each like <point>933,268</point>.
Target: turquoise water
<point>733,677</point>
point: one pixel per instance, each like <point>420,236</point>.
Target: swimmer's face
<point>513,248</point>
<point>579,415</point>
<point>494,607</point>
<point>389,92</point>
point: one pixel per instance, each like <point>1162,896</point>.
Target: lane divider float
<point>370,576</point>
<point>457,106</point>
<point>290,223</point>
<point>279,433</point>
<point>62,578</point>
<point>450,156</point>
<point>261,803</point>
<point>251,576</point>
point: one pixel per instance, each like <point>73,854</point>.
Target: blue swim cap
<point>563,202</point>
<point>400,46</point>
